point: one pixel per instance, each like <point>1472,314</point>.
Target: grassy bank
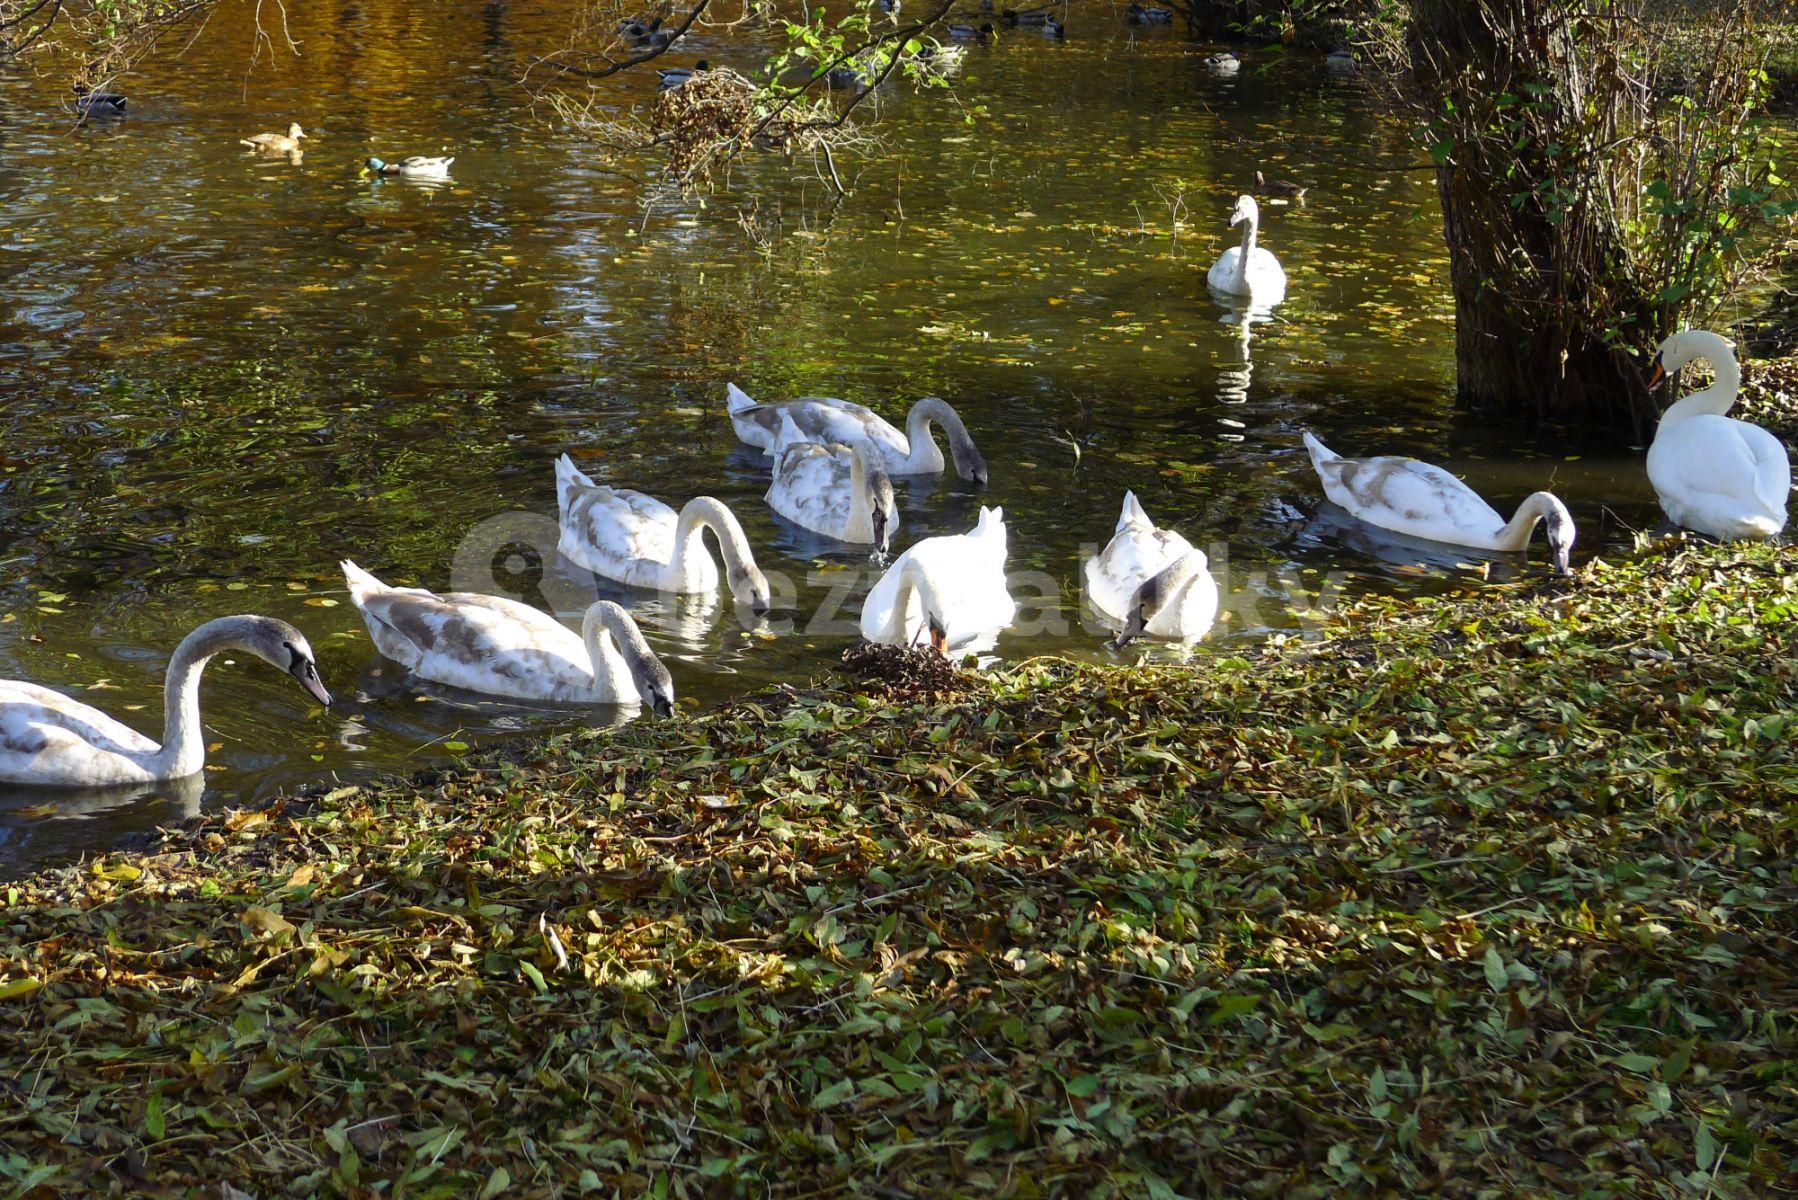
<point>1483,899</point>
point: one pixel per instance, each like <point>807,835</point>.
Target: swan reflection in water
<point>1399,555</point>
<point>78,821</point>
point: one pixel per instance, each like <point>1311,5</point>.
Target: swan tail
<point>737,398</point>
<point>1132,513</point>
<point>1320,453</point>
<point>362,585</point>
<point>568,479</point>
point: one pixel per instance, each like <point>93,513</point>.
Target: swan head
<point>1246,210</point>
<point>281,645</point>
<point>1685,346</point>
<point>653,681</point>
<point>749,587</point>
<point>882,506</point>
<point>1560,532</point>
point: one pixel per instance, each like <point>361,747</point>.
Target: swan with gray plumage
<point>824,420</point>
<point>636,539</point>
<point>1153,580</point>
<point>48,739</point>
<point>1424,501</point>
<point>499,647</point>
<point>1713,473</point>
<point>840,491</point>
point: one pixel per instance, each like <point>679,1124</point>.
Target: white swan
<point>954,586</point>
<point>840,491</point>
<point>1153,580</point>
<point>636,539</point>
<point>823,420</point>
<point>51,740</point>
<point>1713,473</point>
<point>1424,501</point>
<point>499,647</point>
<point>1248,269</point>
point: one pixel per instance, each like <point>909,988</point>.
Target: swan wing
<point>486,644</point>
<point>811,487</point>
<point>615,529</point>
<point>1411,497</point>
<point>1131,558</point>
<point>1222,276</point>
<point>49,738</point>
<point>822,419</point>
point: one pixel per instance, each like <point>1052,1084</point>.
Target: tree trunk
<point>1547,305</point>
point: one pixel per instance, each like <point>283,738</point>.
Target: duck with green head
<point>416,166</point>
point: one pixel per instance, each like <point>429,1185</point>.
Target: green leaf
<point>836,1093</point>
<point>1496,979</point>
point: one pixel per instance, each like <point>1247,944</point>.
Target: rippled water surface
<point>223,374</point>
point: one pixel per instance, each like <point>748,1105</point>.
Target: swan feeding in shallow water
<point>499,647</point>
<point>839,491</point>
<point>824,420</point>
<point>1153,580</point>
<point>952,586</point>
<point>1713,473</point>
<point>1248,269</point>
<point>48,739</point>
<point>1424,501</point>
<point>636,539</point>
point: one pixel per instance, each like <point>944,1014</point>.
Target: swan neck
<point>912,579</point>
<point>700,514</point>
<point>183,749</point>
<point>923,456</point>
<point>599,635</point>
<point>1715,400</point>
<point>1515,535</point>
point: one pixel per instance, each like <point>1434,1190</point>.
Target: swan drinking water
<point>839,491</point>
<point>954,586</point>
<point>1152,580</point>
<point>52,740</point>
<point>821,420</point>
<point>1248,269</point>
<point>1713,473</point>
<point>499,647</point>
<point>636,539</point>
<point>1424,501</point>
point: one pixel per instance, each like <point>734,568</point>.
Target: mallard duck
<point>1279,187</point>
<point>1032,19</point>
<point>416,166</point>
<point>970,33</point>
<point>90,103</point>
<point>820,419</point>
<point>1222,63</point>
<point>1139,15</point>
<point>839,491</point>
<point>952,586</point>
<point>636,539</point>
<point>1153,580</point>
<point>1340,61</point>
<point>499,647</point>
<point>275,143</point>
<point>48,739</point>
<point>1248,270</point>
<point>1713,473</point>
<point>673,77</point>
<point>1053,28</point>
<point>1424,501</point>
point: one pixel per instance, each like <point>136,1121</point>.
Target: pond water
<point>223,374</point>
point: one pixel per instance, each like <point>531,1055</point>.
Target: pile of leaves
<point>905,672</point>
<point>1486,897</point>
